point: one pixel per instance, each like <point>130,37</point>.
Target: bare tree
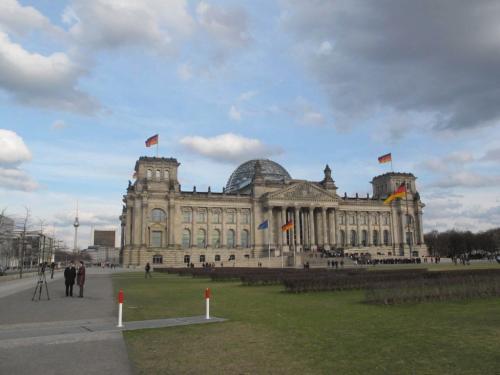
<point>24,229</point>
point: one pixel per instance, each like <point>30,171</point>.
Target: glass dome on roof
<point>243,175</point>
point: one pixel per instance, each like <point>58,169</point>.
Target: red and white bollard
<point>207,303</point>
<point>120,308</point>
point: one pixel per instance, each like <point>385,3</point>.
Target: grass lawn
<point>272,332</point>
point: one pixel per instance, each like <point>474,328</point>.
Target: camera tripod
<point>40,283</point>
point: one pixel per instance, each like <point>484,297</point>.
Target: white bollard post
<point>207,302</point>
<point>120,308</point>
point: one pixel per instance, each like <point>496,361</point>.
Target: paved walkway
<point>40,337</point>
<point>68,335</point>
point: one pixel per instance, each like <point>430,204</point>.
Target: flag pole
<point>158,143</point>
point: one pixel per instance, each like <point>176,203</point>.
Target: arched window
<point>149,174</point>
<point>230,238</point>
<point>187,258</point>
<point>202,258</point>
<point>375,238</point>
<point>217,258</point>
<point>386,237</point>
<point>158,174</point>
<point>157,259</point>
<point>216,238</point>
<point>353,238</point>
<point>245,238</point>
<point>364,238</point>
<point>186,238</point>
<point>201,238</point>
<point>158,215</point>
<point>342,238</point>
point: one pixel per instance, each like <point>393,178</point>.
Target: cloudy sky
<point>84,82</point>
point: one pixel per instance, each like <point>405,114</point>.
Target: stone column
<point>380,234</point>
<point>358,234</point>
<point>335,227</point>
<point>283,222</point>
<point>302,226</point>
<point>208,237</point>
<point>128,225</point>
<point>370,234</point>
<point>223,228</point>
<point>137,221</point>
<point>237,234</point>
<point>311,223</point>
<point>296,227</point>
<point>325,234</point>
<point>193,224</point>
<point>144,222</point>
<point>420,228</point>
<point>270,226</point>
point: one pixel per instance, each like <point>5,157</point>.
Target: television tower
<point>76,224</point>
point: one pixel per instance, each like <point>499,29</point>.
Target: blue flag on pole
<point>263,225</point>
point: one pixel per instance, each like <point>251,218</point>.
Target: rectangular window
<point>156,238</point>
<point>186,216</point>
<point>245,217</point>
<point>216,217</point>
<point>352,220</point>
<point>230,217</point>
<point>202,216</point>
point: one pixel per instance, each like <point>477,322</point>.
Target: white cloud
<point>313,118</point>
<point>16,179</point>
<point>229,147</point>
<point>408,56</point>
<point>234,114</point>
<point>18,19</point>
<point>226,27</point>
<point>109,24</point>
<point>325,48</point>
<point>247,95</point>
<point>43,81</point>
<point>13,150</point>
<point>467,179</point>
<point>185,72</point>
<point>59,125</point>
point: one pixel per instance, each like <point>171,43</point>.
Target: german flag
<point>399,193</point>
<point>385,158</point>
<point>287,226</point>
<point>152,140</point>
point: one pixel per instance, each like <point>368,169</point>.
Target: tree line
<point>455,243</point>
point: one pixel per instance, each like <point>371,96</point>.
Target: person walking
<point>147,269</point>
<point>80,280</point>
<point>69,279</point>
<point>52,268</point>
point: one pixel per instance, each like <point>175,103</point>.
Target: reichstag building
<point>162,224</point>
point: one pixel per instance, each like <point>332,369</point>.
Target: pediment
<point>303,191</point>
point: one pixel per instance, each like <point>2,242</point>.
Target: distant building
<point>104,238</point>
<point>32,248</point>
<point>163,224</point>
<point>103,254</point>
<point>6,236</point>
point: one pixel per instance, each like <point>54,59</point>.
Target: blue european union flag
<point>263,225</point>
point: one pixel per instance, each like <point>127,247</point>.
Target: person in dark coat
<point>69,279</point>
<point>80,280</point>
<point>147,269</point>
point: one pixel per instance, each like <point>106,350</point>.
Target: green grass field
<point>272,332</point>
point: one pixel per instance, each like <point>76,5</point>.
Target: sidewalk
<point>51,336</point>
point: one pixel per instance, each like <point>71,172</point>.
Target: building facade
<point>162,224</point>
